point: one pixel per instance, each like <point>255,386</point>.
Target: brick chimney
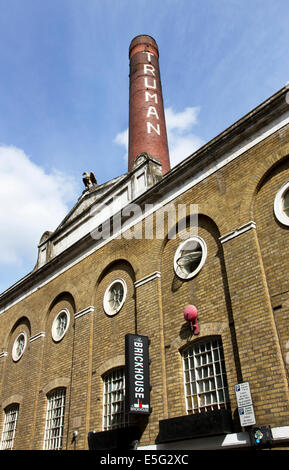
<point>147,127</point>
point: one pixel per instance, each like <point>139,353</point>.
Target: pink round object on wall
<point>190,315</point>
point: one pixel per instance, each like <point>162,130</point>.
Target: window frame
<point>55,337</point>
<point>199,383</point>
<point>202,261</point>
<point>54,440</point>
<point>8,444</point>
<point>110,400</point>
<point>106,307</point>
<point>17,357</point>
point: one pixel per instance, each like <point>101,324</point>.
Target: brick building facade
<point>63,326</point>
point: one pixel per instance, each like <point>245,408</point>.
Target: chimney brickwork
<point>147,127</point>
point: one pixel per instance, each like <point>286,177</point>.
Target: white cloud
<point>182,121</point>
<point>122,140</point>
<point>31,201</point>
<point>182,142</point>
<point>181,146</point>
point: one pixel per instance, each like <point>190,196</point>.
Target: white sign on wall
<point>247,416</point>
<point>245,404</point>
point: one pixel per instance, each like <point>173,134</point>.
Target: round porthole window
<point>19,346</point>
<point>60,324</point>
<point>281,204</point>
<point>190,257</point>
<point>114,297</point>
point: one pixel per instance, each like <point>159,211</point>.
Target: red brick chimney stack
<point>147,127</point>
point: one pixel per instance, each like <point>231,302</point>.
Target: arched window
<point>205,378</point>
<point>114,415</point>
<point>53,435</point>
<point>9,428</point>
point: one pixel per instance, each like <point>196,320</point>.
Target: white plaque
<point>247,415</point>
<point>245,405</point>
<point>243,394</point>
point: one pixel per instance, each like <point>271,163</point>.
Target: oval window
<point>60,324</point>
<point>19,346</point>
<point>114,297</point>
<point>190,257</point>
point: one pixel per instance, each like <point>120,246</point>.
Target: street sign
<point>247,416</point>
<point>245,404</point>
<point>243,394</point>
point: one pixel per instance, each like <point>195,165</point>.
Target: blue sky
<point>64,94</point>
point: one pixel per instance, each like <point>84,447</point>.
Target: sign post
<point>137,385</point>
<point>245,404</point>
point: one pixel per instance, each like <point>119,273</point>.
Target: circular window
<point>190,257</point>
<point>60,324</point>
<point>281,204</point>
<point>114,297</point>
<point>19,346</point>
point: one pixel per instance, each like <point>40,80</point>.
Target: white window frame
<point>106,306</point>
<point>114,415</point>
<point>205,380</point>
<point>9,427</point>
<point>15,355</point>
<point>278,205</point>
<point>54,333</point>
<point>54,423</point>
<point>178,270</point>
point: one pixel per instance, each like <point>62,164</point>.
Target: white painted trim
<point>146,279</point>
<point>235,233</point>
<point>280,433</point>
<point>228,441</point>
<point>37,336</point>
<point>84,311</point>
<point>3,354</point>
<point>226,158</point>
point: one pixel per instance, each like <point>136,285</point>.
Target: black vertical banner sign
<point>137,384</point>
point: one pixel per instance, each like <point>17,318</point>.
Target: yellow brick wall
<point>238,294</point>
